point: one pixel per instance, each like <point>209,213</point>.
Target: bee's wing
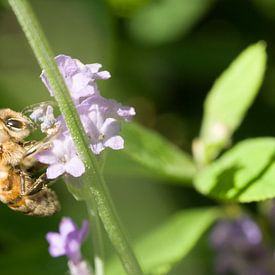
<point>29,109</point>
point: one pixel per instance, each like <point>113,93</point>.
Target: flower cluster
<point>100,117</point>
<point>68,242</point>
<point>240,249</point>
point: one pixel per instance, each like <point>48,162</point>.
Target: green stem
<point>97,237</point>
<point>81,192</point>
<point>93,178</point>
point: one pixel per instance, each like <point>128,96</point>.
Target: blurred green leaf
<point>246,173</point>
<point>157,154</point>
<point>26,90</point>
<point>230,98</point>
<point>163,247</point>
<point>163,21</point>
<point>267,7</point>
<point>126,7</point>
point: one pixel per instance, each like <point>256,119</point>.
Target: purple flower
<point>242,233</point>
<point>79,78</point>
<point>68,241</point>
<point>61,158</point>
<point>100,117</point>
<point>240,249</point>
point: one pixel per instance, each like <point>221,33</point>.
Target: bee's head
<point>13,125</point>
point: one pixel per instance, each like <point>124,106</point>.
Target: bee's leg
<point>37,185</point>
<point>35,147</point>
<point>22,183</point>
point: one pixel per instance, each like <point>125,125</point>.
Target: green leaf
<point>230,98</point>
<point>163,247</point>
<point>267,7</point>
<point>157,154</point>
<point>126,8</point>
<point>163,21</point>
<point>246,173</point>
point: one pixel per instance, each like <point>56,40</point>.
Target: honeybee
<point>18,189</point>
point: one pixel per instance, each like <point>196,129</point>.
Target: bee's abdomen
<point>9,186</point>
<point>43,203</point>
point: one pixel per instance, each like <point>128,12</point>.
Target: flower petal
<point>66,227</point>
<point>72,247</point>
<point>126,112</point>
<point>97,148</point>
<point>46,157</point>
<point>55,170</point>
<point>103,75</point>
<point>116,143</point>
<point>110,128</point>
<point>75,167</point>
<point>83,232</point>
<point>94,68</point>
<point>56,242</point>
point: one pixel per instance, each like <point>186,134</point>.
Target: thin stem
<point>97,238</point>
<point>93,177</point>
<point>81,192</point>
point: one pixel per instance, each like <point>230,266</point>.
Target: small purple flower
<point>240,249</point>
<point>242,233</point>
<point>101,119</point>
<point>68,241</point>
<point>79,78</point>
<point>61,158</point>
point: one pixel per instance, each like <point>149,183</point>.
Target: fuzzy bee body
<point>18,189</point>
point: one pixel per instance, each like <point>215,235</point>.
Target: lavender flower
<point>61,158</point>
<point>100,117</point>
<point>68,242</point>
<point>243,231</point>
<point>79,78</point>
<point>240,249</point>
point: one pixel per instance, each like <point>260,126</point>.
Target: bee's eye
<point>14,124</point>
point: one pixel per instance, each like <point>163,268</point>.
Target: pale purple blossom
<point>101,118</point>
<point>61,158</point>
<point>243,233</point>
<point>67,242</point>
<point>79,78</point>
<point>240,249</point>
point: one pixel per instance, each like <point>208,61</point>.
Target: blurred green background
<point>164,56</point>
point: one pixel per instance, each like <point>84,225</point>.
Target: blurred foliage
<point>162,62</point>
<point>245,173</point>
<point>167,244</point>
<point>157,154</point>
<point>126,7</point>
<point>163,21</point>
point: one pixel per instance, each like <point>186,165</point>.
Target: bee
<point>19,189</point>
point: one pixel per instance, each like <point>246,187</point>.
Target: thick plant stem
<point>93,178</point>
